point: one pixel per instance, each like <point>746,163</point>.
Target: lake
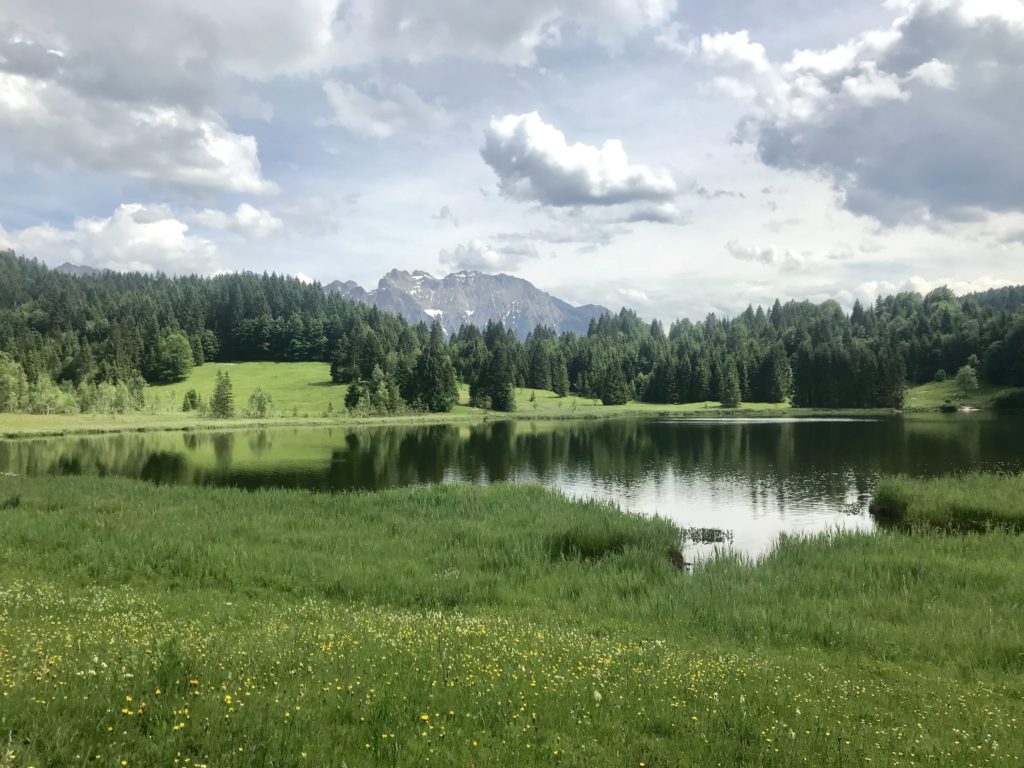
<point>734,482</point>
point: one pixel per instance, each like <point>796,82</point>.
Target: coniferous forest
<point>90,343</point>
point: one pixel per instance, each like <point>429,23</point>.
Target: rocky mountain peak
<point>471,297</point>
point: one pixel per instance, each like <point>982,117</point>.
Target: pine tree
<point>540,366</point>
<point>434,378</point>
<point>222,404</point>
<point>500,378</point>
<point>614,390</point>
<point>779,376</point>
<point>729,392</point>
<point>559,376</point>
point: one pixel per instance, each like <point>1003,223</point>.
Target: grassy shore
<point>933,395</point>
<point>963,501</point>
<point>304,395</point>
<point>485,627</point>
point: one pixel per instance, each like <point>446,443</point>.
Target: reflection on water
<point>749,480</point>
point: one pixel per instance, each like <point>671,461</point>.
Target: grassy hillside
<point>302,389</point>
<point>485,627</point>
<point>934,394</point>
<point>305,389</point>
<point>303,392</point>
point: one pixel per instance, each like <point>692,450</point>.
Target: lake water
<point>749,480</point>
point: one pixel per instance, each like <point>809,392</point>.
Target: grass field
<point>298,389</point>
<point>495,626</point>
<point>302,393</point>
<point>963,501</point>
<point>932,395</point>
<point>545,403</point>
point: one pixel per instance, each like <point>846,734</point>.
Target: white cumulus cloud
<point>534,162</point>
<point>135,238</point>
<point>246,220</point>
<point>164,145</point>
<point>478,256</point>
<point>919,121</point>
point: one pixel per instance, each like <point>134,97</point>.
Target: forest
<point>91,343</point>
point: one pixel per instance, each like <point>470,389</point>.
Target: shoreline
<point>26,427</point>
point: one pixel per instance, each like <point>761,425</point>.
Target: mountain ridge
<point>470,297</point>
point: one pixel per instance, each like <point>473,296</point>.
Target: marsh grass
<point>960,502</point>
<point>457,625</point>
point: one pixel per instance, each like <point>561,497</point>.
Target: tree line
<point>96,340</point>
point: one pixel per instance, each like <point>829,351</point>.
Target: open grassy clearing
<point>485,626</point>
<point>298,389</point>
<point>932,395</point>
<point>962,501</point>
<point>302,393</point>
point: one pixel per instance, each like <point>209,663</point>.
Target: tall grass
<point>495,626</point>
<point>975,501</point>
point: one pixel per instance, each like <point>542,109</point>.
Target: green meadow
<point>303,393</point>
<point>962,501</point>
<point>458,625</point>
<point>298,389</point>
<point>933,395</point>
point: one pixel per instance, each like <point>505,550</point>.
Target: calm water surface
<point>749,479</point>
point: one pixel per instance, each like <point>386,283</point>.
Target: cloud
<point>920,121</point>
<point>142,89</point>
<point>135,238</point>
<point>671,37</point>
<point>246,220</point>
<point>162,145</point>
<point>664,213</point>
<point>168,52</point>
<point>535,163</point>
<point>867,292</point>
<point>634,296</point>
<point>506,33</point>
<point>446,214</point>
<point>733,50</point>
<point>477,256</point>
<point>391,110</point>
<point>768,255</point>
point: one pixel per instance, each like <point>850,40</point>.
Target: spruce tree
<point>614,389</point>
<point>222,404</point>
<point>559,376</point>
<point>729,394</point>
<point>434,378</point>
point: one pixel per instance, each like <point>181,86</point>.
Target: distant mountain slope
<point>1008,299</point>
<point>78,270</point>
<point>471,297</point>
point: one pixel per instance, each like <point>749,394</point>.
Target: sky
<point>676,157</point>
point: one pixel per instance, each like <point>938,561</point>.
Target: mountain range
<point>470,297</point>
<point>454,300</point>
